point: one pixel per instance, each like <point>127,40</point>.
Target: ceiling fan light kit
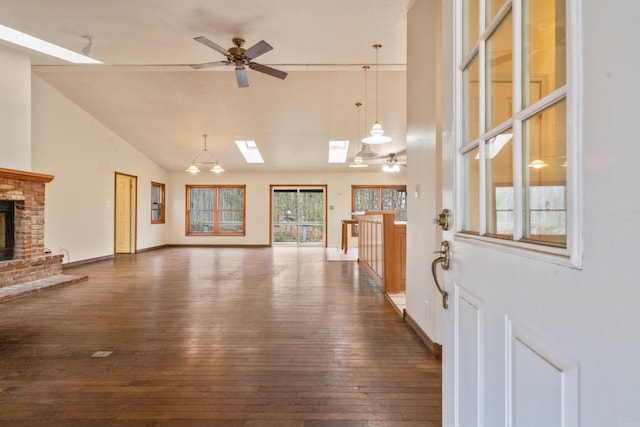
<point>391,166</point>
<point>240,58</point>
<point>216,168</point>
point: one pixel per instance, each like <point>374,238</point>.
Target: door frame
<point>324,187</point>
<point>133,219</point>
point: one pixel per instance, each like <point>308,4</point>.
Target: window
<point>513,145</point>
<point>157,203</point>
<point>375,198</point>
<point>215,210</point>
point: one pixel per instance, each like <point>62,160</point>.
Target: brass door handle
<point>443,260</point>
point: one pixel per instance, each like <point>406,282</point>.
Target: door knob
<point>443,260</point>
<point>443,219</point>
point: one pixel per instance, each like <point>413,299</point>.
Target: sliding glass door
<point>298,216</point>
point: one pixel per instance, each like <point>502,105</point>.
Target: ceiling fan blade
<point>258,49</point>
<point>209,65</point>
<point>205,41</point>
<point>241,77</point>
<point>268,70</point>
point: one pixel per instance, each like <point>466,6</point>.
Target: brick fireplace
<point>23,257</point>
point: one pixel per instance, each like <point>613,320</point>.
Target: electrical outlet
<point>428,308</point>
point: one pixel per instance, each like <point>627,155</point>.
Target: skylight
<point>25,40</point>
<point>338,151</point>
<point>250,151</point>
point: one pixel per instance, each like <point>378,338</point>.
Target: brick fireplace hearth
<point>29,262</point>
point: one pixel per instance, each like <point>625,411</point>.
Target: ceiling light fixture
<point>217,168</point>
<point>358,161</point>
<point>392,164</point>
<point>377,133</point>
<point>25,40</point>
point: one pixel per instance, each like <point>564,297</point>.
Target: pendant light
<point>365,150</point>
<point>358,161</point>
<point>377,133</point>
<point>217,168</point>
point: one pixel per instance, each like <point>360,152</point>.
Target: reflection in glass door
<point>298,215</point>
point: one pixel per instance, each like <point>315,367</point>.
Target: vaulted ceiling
<point>147,93</point>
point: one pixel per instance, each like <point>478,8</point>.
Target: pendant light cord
<point>366,85</point>
<point>377,47</point>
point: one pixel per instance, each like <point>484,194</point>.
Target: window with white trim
<point>514,147</point>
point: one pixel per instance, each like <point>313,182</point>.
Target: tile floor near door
<point>215,337</point>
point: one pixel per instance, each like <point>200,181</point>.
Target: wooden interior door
<point>125,213</point>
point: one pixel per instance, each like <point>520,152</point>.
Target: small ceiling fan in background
<point>390,162</point>
<point>240,58</point>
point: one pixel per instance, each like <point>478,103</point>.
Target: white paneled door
<point>510,173</point>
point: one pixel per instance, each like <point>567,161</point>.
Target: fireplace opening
<point>7,215</point>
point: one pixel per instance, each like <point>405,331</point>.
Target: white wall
<point>422,169</point>
<point>84,155</point>
<point>257,193</point>
<point>15,110</point>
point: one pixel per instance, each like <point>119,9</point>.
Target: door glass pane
<point>544,50</point>
<point>285,216</point>
<point>499,155</point>
<point>201,213</point>
<point>492,7</point>
<point>299,216</point>
<point>311,216</point>
<point>231,209</point>
<point>499,74</point>
<point>471,101</point>
<point>471,220</point>
<point>471,24</point>
<point>545,150</point>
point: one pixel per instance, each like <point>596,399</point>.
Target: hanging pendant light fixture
<point>365,149</point>
<point>377,133</point>
<point>217,168</point>
<point>358,161</point>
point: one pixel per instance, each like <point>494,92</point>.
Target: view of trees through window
<point>298,216</point>
<point>215,210</point>
<point>374,198</point>
<point>157,203</point>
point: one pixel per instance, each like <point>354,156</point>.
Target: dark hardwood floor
<point>215,337</point>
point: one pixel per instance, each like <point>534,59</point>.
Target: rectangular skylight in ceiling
<point>25,40</point>
<point>338,151</point>
<point>250,151</point>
